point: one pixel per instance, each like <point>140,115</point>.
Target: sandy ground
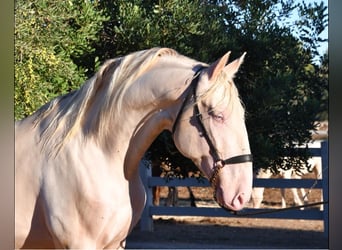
<point>230,233</point>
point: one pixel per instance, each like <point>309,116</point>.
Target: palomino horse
<point>77,183</point>
<point>315,166</point>
<point>162,169</point>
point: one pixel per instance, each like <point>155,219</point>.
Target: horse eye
<point>217,117</point>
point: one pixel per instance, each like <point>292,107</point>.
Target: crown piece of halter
<point>217,167</point>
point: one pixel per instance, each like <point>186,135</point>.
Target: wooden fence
<point>146,222</point>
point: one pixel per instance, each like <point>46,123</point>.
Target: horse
<point>163,169</point>
<point>77,183</point>
<point>315,166</point>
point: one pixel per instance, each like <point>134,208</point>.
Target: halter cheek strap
<point>190,94</point>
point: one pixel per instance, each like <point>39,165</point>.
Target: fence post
<point>146,221</point>
<point>325,185</point>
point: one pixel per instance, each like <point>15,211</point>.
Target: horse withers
<point>77,183</point>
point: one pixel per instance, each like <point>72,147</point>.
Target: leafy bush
<point>49,37</point>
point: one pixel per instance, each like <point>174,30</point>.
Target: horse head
<point>210,129</point>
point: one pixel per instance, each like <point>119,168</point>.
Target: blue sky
<point>323,46</point>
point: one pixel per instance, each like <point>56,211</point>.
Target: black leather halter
<point>233,160</point>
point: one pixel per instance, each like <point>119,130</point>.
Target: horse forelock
<point>229,96</point>
<point>103,93</point>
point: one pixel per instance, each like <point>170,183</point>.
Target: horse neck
<point>143,137</point>
<point>150,106</point>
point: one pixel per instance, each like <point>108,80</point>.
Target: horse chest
<point>105,222</point>
<point>116,228</point>
<point>125,215</point>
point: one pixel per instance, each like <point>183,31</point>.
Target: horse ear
<point>216,68</point>
<point>234,66</point>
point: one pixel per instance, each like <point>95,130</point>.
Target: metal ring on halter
<point>233,160</point>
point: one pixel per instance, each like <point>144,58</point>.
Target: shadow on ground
<point>171,234</point>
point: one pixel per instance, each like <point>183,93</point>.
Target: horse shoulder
<point>91,199</point>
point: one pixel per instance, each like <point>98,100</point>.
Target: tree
<point>179,24</point>
<point>283,90</point>
<point>280,85</point>
<point>50,39</point>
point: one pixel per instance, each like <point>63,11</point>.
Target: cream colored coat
<point>77,182</point>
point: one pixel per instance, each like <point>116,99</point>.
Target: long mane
<point>225,85</point>
<point>91,108</point>
<point>64,115</point>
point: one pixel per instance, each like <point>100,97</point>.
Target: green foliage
<point>49,37</point>
<point>164,150</point>
<point>313,21</point>
<point>284,92</point>
<point>179,24</point>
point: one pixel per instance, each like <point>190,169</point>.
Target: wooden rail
<point>146,223</point>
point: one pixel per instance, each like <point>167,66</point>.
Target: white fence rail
<point>146,223</point>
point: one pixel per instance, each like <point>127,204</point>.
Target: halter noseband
<point>217,167</point>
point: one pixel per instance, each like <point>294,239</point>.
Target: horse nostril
<point>235,204</point>
<point>239,201</point>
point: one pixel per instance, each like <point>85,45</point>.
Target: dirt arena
<point>230,233</point>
